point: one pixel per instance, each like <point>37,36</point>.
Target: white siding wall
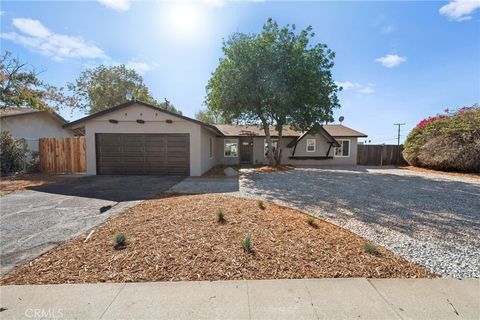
<point>34,126</point>
<point>154,123</point>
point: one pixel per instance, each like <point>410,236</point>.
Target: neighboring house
<point>31,125</point>
<point>138,138</point>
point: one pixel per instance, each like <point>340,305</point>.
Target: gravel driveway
<point>36,220</point>
<point>429,218</point>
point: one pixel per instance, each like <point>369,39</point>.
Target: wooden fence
<point>380,154</point>
<point>62,155</point>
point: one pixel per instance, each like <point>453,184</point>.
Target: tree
<point>274,78</point>
<point>20,87</point>
<point>102,87</point>
<point>210,117</point>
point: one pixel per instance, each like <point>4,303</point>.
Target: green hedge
<point>446,142</point>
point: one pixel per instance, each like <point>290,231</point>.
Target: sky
<point>398,61</point>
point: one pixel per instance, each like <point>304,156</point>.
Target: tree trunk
<point>270,155</point>
<point>278,152</point>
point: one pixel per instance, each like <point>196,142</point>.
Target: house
<point>139,138</point>
<point>31,125</point>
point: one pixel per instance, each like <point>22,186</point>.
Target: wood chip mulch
<point>24,181</point>
<point>178,238</point>
<point>265,169</point>
<point>450,173</point>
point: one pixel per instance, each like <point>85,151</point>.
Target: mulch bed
<point>178,238</point>
<point>265,169</point>
<point>217,171</point>
<point>450,173</point>
<point>21,182</point>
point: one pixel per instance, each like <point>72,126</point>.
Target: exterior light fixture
<point>168,121</point>
<point>140,121</point>
<point>113,121</point>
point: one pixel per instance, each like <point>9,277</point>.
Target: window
<point>343,150</point>
<point>230,147</point>
<point>311,145</point>
<point>265,146</point>
<point>210,147</point>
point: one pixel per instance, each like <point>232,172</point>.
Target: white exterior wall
<point>154,123</point>
<point>34,126</point>
<point>207,161</point>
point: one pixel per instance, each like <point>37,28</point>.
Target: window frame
<point>341,142</point>
<point>210,147</point>
<point>314,145</point>
<point>265,146</point>
<point>224,147</point>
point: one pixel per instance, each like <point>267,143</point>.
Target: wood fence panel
<point>381,154</point>
<point>62,155</point>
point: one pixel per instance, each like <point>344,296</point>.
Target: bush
<point>311,220</point>
<point>260,204</point>
<point>120,241</point>
<point>12,153</point>
<point>370,248</point>
<point>220,216</point>
<point>247,243</point>
<point>33,166</point>
<point>446,142</point>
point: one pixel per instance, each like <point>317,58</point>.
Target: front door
<point>246,150</point>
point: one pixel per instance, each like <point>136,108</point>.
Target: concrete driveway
<point>36,220</point>
<point>429,218</point>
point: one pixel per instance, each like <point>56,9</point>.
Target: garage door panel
<point>139,154</point>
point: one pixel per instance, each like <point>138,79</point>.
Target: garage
<point>142,154</point>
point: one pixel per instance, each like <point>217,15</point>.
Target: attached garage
<point>142,154</point>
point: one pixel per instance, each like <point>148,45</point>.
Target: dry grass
<point>24,181</point>
<point>450,173</point>
<point>264,169</point>
<point>179,238</point>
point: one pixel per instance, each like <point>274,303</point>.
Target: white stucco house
<point>31,125</point>
<point>139,138</point>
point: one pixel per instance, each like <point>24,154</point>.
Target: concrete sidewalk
<point>272,299</point>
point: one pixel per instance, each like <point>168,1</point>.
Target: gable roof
<point>339,130</point>
<point>16,112</point>
<point>148,105</point>
<point>321,130</point>
<point>253,130</point>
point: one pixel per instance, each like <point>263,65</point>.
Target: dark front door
<point>246,150</point>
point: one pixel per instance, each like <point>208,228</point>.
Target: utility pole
<point>399,125</point>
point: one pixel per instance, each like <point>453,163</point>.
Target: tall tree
<point>20,86</point>
<point>209,116</point>
<point>274,78</point>
<point>105,86</point>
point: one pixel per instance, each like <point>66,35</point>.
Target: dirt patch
<point>450,173</point>
<point>24,181</point>
<point>265,169</point>
<point>217,171</point>
<point>179,238</point>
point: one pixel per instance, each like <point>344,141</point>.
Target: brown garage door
<point>143,154</point>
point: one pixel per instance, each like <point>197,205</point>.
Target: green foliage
<point>277,77</point>
<point>311,220</point>
<point>247,243</point>
<point>446,142</point>
<point>106,86</point>
<point>371,249</point>
<point>220,216</point>
<point>260,204</point>
<point>12,153</point>
<point>210,117</point>
<point>20,86</point>
<point>120,240</point>
<point>33,165</point>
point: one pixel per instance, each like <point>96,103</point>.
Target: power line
<point>398,136</point>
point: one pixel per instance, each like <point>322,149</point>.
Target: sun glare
<point>185,19</point>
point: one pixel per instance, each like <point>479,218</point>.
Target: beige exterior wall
<point>154,123</point>
<point>34,126</point>
<point>207,161</point>
<point>221,159</point>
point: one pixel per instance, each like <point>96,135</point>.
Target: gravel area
<point>429,218</point>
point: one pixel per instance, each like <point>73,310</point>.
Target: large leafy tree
<point>274,78</point>
<point>102,87</point>
<point>21,87</point>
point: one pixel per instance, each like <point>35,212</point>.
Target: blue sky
<point>399,61</point>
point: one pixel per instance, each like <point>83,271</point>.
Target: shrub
<point>446,142</point>
<point>220,216</point>
<point>311,220</point>
<point>120,241</point>
<point>12,153</point>
<point>260,204</point>
<point>247,243</point>
<point>33,166</point>
<point>370,248</point>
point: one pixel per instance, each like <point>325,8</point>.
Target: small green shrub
<point>220,216</point>
<point>311,220</point>
<point>370,248</point>
<point>260,204</point>
<point>120,240</point>
<point>247,243</point>
<point>12,153</point>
